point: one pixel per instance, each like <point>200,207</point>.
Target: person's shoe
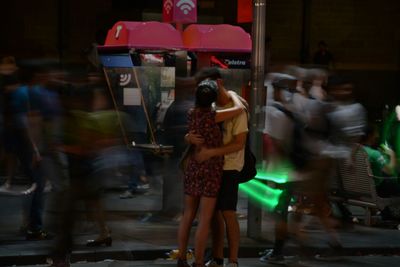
<point>262,253</point>
<point>144,186</point>
<point>270,257</point>
<point>38,235</point>
<point>5,187</point>
<point>126,194</point>
<point>141,188</point>
<point>30,190</point>
<point>213,263</point>
<point>182,263</point>
<point>99,242</point>
<point>232,264</point>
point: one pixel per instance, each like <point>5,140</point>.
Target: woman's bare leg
<point>189,213</point>
<point>207,206</point>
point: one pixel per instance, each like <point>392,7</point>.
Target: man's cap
<point>284,81</point>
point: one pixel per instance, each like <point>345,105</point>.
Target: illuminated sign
<point>181,11</point>
<point>230,62</point>
<point>244,11</point>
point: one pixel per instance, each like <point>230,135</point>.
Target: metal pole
<point>257,87</point>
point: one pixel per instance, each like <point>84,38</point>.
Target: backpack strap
<point>284,110</point>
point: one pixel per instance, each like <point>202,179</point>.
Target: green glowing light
<point>390,120</point>
<point>279,175</point>
<point>391,133</point>
<point>261,193</point>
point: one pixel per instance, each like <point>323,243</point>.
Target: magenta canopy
<point>216,38</point>
<point>143,35</point>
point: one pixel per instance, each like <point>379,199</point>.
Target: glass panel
<point>155,84</point>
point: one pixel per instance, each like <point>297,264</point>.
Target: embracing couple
<point>218,135</point>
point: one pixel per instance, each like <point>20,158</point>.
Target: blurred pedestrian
<point>311,166</point>
<point>347,118</point>
<point>317,169</point>
<point>270,151</point>
<point>279,127</point>
<point>20,144</point>
<point>347,123</point>
<point>8,68</point>
<point>90,129</point>
<point>174,127</point>
<point>319,78</point>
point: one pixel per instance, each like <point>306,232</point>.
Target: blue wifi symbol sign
<point>186,6</point>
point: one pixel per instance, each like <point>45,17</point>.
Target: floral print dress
<point>204,179</point>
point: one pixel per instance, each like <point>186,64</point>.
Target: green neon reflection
<point>388,125</point>
<point>261,193</point>
<point>279,175</point>
<point>391,132</point>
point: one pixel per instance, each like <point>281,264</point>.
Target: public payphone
<point>139,62</point>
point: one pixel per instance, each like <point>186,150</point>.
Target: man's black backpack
<point>249,170</point>
<point>298,154</point>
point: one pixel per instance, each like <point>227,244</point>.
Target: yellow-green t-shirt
<point>230,128</point>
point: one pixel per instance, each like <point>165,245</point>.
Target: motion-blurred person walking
<point>90,128</point>
<point>20,144</point>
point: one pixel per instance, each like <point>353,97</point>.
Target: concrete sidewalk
<point>135,238</point>
<point>365,261</point>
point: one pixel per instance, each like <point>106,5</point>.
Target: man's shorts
<point>228,194</point>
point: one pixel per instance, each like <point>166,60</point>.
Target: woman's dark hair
<point>206,93</point>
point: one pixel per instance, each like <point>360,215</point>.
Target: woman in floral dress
<point>202,180</point>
